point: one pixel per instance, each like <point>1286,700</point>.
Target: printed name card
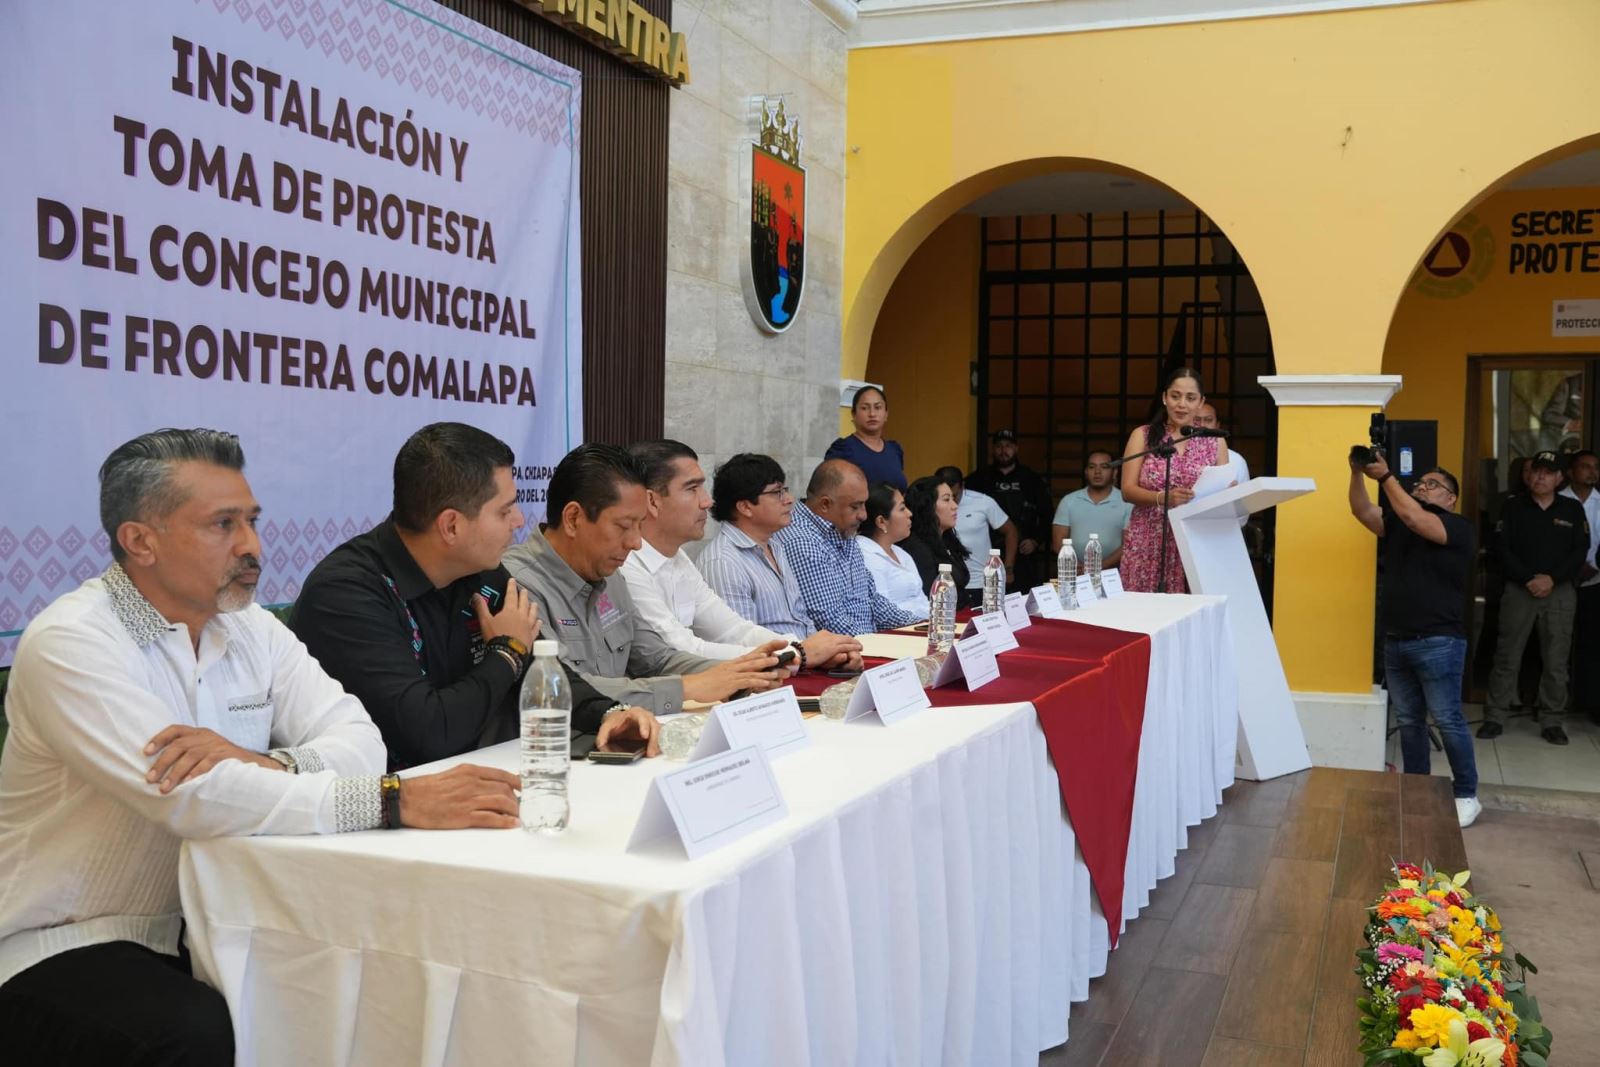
<point>970,658</point>
<point>1111,582</point>
<point>1016,611</point>
<point>994,627</point>
<point>892,691</point>
<point>771,720</point>
<point>711,802</point>
<point>1086,593</point>
<point>1044,601</point>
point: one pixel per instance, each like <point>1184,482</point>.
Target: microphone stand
<point>1166,450</point>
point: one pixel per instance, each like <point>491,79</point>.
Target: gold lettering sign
<point>625,29</point>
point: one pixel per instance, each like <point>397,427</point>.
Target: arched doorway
<point>1050,304</point>
<point>1501,361</point>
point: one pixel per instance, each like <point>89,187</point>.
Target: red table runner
<point>1088,685</point>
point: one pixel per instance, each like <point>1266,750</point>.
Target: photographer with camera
<point>1427,552</point>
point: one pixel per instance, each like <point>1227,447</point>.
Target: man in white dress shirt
<point>668,591</point>
<point>155,703</point>
<point>1583,473</point>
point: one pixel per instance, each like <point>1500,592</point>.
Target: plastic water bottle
<point>1067,574</point>
<point>1091,563</point>
<point>994,583</point>
<point>546,712</point>
<point>942,612</point>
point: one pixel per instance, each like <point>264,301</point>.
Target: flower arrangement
<point>1440,991</point>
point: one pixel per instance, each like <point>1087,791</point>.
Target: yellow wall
<point>928,331</point>
<point>1332,148</point>
<point>1501,314</point>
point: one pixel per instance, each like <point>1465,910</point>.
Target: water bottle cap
<point>994,552</point>
<point>1094,537</point>
<point>547,648</point>
<point>944,568</point>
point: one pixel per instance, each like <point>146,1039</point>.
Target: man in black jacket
<point>420,622</point>
<point>1025,498</point>
<point>1540,540</point>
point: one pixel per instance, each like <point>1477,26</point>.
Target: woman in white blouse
<point>893,571</point>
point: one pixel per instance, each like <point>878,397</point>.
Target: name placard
<point>1111,582</point>
<point>971,658</point>
<point>891,691</point>
<point>1085,589</point>
<point>1042,600</point>
<point>712,802</point>
<point>1016,611</point>
<point>771,720</point>
<point>994,627</point>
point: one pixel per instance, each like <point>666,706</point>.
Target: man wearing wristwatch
<point>154,703</point>
<point>420,621</point>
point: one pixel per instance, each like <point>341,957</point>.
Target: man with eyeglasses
<point>744,563</point>
<point>1097,508</point>
<point>1427,554</point>
<point>669,592</point>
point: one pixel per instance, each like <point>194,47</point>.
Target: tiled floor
<point>1246,954</point>
<point>1520,757</point>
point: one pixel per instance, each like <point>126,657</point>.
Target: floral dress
<point>1141,545</point>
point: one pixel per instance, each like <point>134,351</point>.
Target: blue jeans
<point>1423,676</point>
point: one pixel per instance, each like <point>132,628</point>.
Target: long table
<point>925,901</point>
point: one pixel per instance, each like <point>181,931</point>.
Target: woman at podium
<point>1145,485</point>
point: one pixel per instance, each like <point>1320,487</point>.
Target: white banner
<point>318,225</point>
<point>1575,318</point>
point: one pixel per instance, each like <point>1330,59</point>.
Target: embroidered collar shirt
<point>88,848</point>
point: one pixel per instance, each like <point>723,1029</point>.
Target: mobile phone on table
<point>808,704</point>
<point>786,657</point>
<point>620,759</point>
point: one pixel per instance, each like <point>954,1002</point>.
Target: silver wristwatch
<point>285,757</point>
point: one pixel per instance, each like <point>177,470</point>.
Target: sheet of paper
<point>1016,612</point>
<point>970,658</point>
<point>994,627</point>
<point>711,802</point>
<point>892,692</point>
<point>771,720</point>
<point>892,646</point>
<point>1213,480</point>
<point>1111,582</point>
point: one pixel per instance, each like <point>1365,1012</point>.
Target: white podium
<point>1211,546</point>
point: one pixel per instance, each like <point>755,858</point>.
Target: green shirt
<point>1086,516</point>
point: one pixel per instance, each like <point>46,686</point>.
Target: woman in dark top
<point>933,535</point>
<point>881,460</point>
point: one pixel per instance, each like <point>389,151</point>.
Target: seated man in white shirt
<point>668,591</point>
<point>157,703</point>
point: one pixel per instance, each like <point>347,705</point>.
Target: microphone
<point>1195,431</point>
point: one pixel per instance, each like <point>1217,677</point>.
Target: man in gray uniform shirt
<point>596,503</point>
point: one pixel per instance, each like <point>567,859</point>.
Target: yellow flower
<point>1493,921</point>
<point>1454,1051</point>
<point>1432,1022</point>
<point>1408,1039</point>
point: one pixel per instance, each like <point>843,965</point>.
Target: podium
<point>1206,531</point>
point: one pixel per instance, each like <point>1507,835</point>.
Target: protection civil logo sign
<point>774,271</point>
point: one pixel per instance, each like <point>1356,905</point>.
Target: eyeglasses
<point>1431,485</point>
<point>781,491</point>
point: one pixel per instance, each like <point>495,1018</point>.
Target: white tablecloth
<point>923,903</point>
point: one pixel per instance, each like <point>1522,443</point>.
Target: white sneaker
<point>1467,811</point>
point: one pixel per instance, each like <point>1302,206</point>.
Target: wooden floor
<point>1245,955</point>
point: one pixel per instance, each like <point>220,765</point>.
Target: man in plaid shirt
<point>821,547</point>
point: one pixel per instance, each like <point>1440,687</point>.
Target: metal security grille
<point>1081,315</point>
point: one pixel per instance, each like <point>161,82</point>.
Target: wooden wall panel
<point>623,189</point>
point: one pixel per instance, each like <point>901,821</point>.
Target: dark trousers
<point>1423,676</point>
<point>1586,651</point>
<point>114,1004</point>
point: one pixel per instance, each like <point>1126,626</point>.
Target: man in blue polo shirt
<point>1097,508</point>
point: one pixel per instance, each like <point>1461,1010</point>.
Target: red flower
<point>1477,998</point>
<point>1408,870</point>
<point>1476,1031</point>
<point>1410,1004</point>
<point>1427,988</point>
<point>1453,899</point>
<point>1402,894</point>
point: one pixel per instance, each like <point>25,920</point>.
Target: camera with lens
<point>1377,434</point>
